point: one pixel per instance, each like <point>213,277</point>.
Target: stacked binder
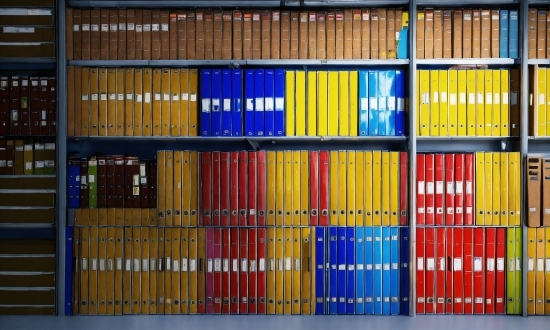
<point>538,35</point>
<point>539,107</point>
<point>538,266</point>
<point>27,157</point>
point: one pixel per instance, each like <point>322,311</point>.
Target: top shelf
<point>349,3</point>
<point>235,63</point>
<point>465,3</point>
<point>468,61</point>
<point>539,2</point>
<point>172,3</point>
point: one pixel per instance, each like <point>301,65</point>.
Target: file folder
<point>468,262</point>
<point>288,270</point>
<point>236,99</point>
<point>324,188</point>
<point>249,115</point>
<point>378,274</point>
<point>540,271</point>
<point>271,287</point>
<point>243,271</point>
<point>420,272</point>
<point>490,269</point>
<point>269,102</point>
<point>387,282</point>
<point>322,103</point>
<point>259,102</point>
<point>369,270</point>
<point>226,270</point>
<point>243,188</point>
<point>391,102</point>
<point>377,191</point>
<point>313,188</point>
<point>430,265</point>
<point>341,273</point>
<point>206,101</point>
<point>446,265</point>
<point>311,101</point>
<point>333,104</point>
<point>343,113</point>
<point>332,279</point>
<point>226,103</point>
<point>420,189</point>
<point>353,100</point>
<point>320,271</point>
<point>279,97</point>
<point>382,94</point>
<point>363,103</point>
<point>216,100</point>
<point>439,195</point>
<point>394,271</point>
<point>350,270</point>
<point>295,187</point>
<point>359,184</point>
<point>450,189</point>
<point>296,271</point>
<point>261,191</point>
<point>531,273</point>
<point>280,272</point>
<point>290,83</point>
<point>252,270</point>
<point>235,274</point>
<point>404,272</point>
<point>192,266</point>
<point>300,103</point>
<point>400,117</point>
<point>359,271</point>
<point>261,269</point>
<point>252,204</point>
<point>424,103</point>
<point>497,112</point>
<point>444,120</point>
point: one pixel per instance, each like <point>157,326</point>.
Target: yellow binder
<point>119,269</point>
<point>157,102</point>
<point>488,113</point>
<point>312,103</point>
<point>168,271</point>
<point>497,189</point>
<point>360,188</point>
<point>280,273</point>
<point>514,186</point>
<point>353,103</point>
<point>424,99</point>
<point>471,105</point>
<point>111,103</point>
<point>307,271</point>
<point>452,103</point>
<point>322,103</point>
<point>434,103</point>
<point>129,102</point>
<point>153,269</point>
<point>166,103</point>
<point>110,270</point>
<point>145,270</point>
<point>531,278</point>
<point>184,268</point>
<point>334,185</point>
<point>333,103</point>
<point>92,286</point>
<point>201,265</point>
<point>288,271</point>
<point>504,103</point>
<point>176,103</point>
<point>271,187</point>
<point>147,125</point>
<point>192,266</point>
<point>505,194</point>
<point>369,192</point>
<point>289,109</point>
<point>304,188</point>
<point>84,94</point>
<point>488,190</point>
<point>540,102</point>
<point>176,270</point>
<point>185,188</point>
<point>547,114</point>
<point>193,103</point>
<point>300,103</point>
<point>539,273</point>
<point>480,188</point>
<point>443,103</point>
<point>127,301</point>
<point>184,102</point>
<point>386,185</point>
<point>394,188</point>
<point>288,210</point>
<point>351,189</point>
<point>94,104</point>
<point>296,271</point>
<point>480,102</point>
<point>102,271</point>
<point>280,201</point>
<point>193,219</point>
<point>419,101</point>
<point>136,270</point>
<point>547,274</point>
<point>296,189</point>
<point>342,172</point>
<point>161,179</point>
<point>343,115</point>
<point>377,190</point>
<point>496,114</point>
<point>462,104</point>
<point>120,126</point>
<point>177,184</point>
<point>138,102</point>
<point>271,284</point>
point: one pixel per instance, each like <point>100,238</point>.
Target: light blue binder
<point>400,99</point>
<point>360,270</point>
<point>363,103</point>
<point>369,271</point>
<point>394,272</point>
<point>389,90</point>
<point>377,259</point>
<point>382,94</point>
<point>373,103</point>
<point>504,32</point>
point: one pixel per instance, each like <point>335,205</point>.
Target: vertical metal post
<point>412,156</point>
<point>61,158</point>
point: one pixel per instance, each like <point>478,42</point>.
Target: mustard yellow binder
<point>504,192</point>
<point>93,270</point>
<point>300,103</point>
<point>280,273</point>
<point>386,185</point>
<point>157,102</point>
<point>311,103</point>
<point>271,283</point>
<point>136,270</point>
<point>333,103</point>
<point>488,113</point>
<point>514,188</point>
<point>334,187</point>
<point>480,102</point>
<point>540,102</point>
<point>394,188</point>
<point>271,186</point>
<point>161,267</point>
<point>296,188</point>
<point>85,97</point>
<point>193,219</point>
<point>443,103</point>
<point>184,102</point>
<point>480,188</point>
<point>289,211</point>
<point>296,271</point>
<point>434,103</point>
<point>193,103</point>
<point>290,103</point>
<point>110,266</point>
<point>342,173</point>
<point>127,301</point>
<point>202,266</point>
<point>120,126</point>
<point>145,270</point>
<point>166,102</point>
<point>360,188</point>
<point>539,272</point>
<point>192,269</point>
<point>185,188</point>
<point>153,269</point>
<point>176,270</point>
<point>138,102</point>
<point>322,103</point>
<point>504,103</point>
<point>377,188</point>
<point>471,110</point>
<point>94,104</point>
<point>343,115</point>
<point>462,103</point>
<point>161,177</point>
<point>307,271</point>
<point>353,103</point>
<point>280,202</point>
<point>547,114</point>
<point>147,125</point>
<point>496,114</point>
<point>452,103</point>
<point>176,103</point>
<point>102,271</point>
<point>351,188</point>
<point>531,276</point>
<point>424,99</point>
<point>177,166</point>
<point>119,270</point>
<point>111,102</point>
<point>129,102</point>
<point>547,274</point>
<point>488,188</point>
<point>304,188</point>
<point>184,268</point>
<point>369,192</point>
<point>288,270</point>
<point>496,188</point>
<point>419,101</point>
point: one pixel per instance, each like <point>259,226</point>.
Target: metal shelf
<point>468,61</point>
<point>539,61</point>
<point>30,60</point>
<point>172,3</point>
<point>234,63</point>
<point>465,3</point>
<point>27,225</point>
<point>242,139</point>
<point>539,2</point>
<point>26,176</point>
<point>353,3</point>
<point>466,138</point>
<point>27,191</point>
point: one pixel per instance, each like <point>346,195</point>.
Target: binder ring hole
<point>325,212</point>
<point>287,213</point>
<point>117,303</point>
<point>376,212</point>
<point>342,212</point>
<point>386,212</point>
<point>136,302</point>
<point>304,212</point>
<point>368,213</point>
<point>243,213</point>
<point>177,212</point>
<point>145,302</point>
<point>280,212</point>
<point>207,213</point>
<point>503,212</point>
<point>234,300</point>
<point>296,212</point>
<point>226,302</point>
<point>193,212</point>
<point>270,301</point>
<point>262,300</point>
<point>161,214</point>
<point>296,301</point>
<point>83,302</point>
<point>271,212</point>
<point>394,213</point>
<point>496,212</point>
<point>234,213</point>
<point>359,212</point>
<point>252,300</point>
<point>313,212</point>
<point>511,212</point>
<point>168,212</point>
<point>261,213</point>
<point>334,212</point>
<point>351,212</point>
<point>176,302</point>
<point>216,212</point>
<point>126,302</point>
<point>481,212</point>
<point>225,213</point>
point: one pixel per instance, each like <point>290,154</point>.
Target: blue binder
<point>206,99</point>
<point>216,121</point>
<point>226,102</point>
<point>320,270</point>
<point>382,93</point>
<point>341,249</point>
<point>369,271</point>
<point>377,260</point>
<point>394,272</point>
<point>373,103</point>
<point>249,103</point>
<point>400,99</point>
<point>259,104</point>
<point>503,49</point>
<point>360,270</point>
<point>73,182</point>
<point>350,261</point>
<point>237,104</point>
<point>386,271</point>
<point>513,47</point>
<point>69,271</point>
<point>333,270</point>
<point>392,102</point>
<point>363,103</point>
<point>279,102</point>
<point>404,270</point>
<point>269,104</point>
<point>403,45</point>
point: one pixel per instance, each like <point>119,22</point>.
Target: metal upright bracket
<point>254,144</point>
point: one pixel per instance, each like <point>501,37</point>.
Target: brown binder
<point>122,34</point>
<point>218,35</point>
<point>69,33</point>
<point>138,51</point>
<point>266,35</point>
<point>532,34</point>
<point>208,35</point>
<point>356,34</point>
<point>147,101</point>
<point>155,35</point>
<point>365,34</point>
<point>227,35</point>
<point>160,270</point>
<point>181,46</point>
<point>94,102</point>
<point>457,33</point>
<point>348,34</point>
<point>119,270</point>
<point>294,34</point>
<point>331,35</point>
<point>146,35</point>
<point>157,96</point>
<point>129,102</point>
<point>70,101</point>
<point>102,121</point>
<point>438,34</point>
<point>138,102</point>
<point>448,34</point>
<point>476,33</point>
<point>391,30</point>
<point>485,33</point>
<point>302,37</point>
<point>285,35</point>
<point>382,33</point>
<point>199,35</point>
<point>184,102</point>
<point>467,26</point>
<point>429,34</point>
<point>534,185</point>
<point>247,35</point>
<point>191,35</point>
<point>176,103</point>
<point>420,34</point>
<point>541,33</point>
<point>256,35</point>
<point>130,36</point>
<point>312,35</point>
<point>127,272</point>
<point>545,192</point>
<point>275,35</point>
<point>113,34</point>
<point>104,34</point>
<point>166,104</point>
<point>193,103</point>
<point>76,34</point>
<point>321,36</point>
<point>120,102</point>
<point>111,102</point>
<point>145,270</point>
<point>164,35</point>
<point>238,35</point>
<point>85,35</point>
<point>173,31</point>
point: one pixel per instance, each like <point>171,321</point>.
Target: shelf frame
<point>236,63</point>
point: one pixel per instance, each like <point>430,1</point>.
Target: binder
<point>235,274</point>
<point>136,270</point>
<point>518,276</point>
<point>377,192</point>
<point>534,185</point>
<point>206,99</point>
<point>185,303</point>
<point>430,189</point>
<point>446,260</point>
<point>510,271</point>
<point>269,102</point>
<point>300,101</point>
<point>101,271</point>
<point>206,192</point>
<point>400,103</point>
<point>349,203</point>
<point>324,192</point>
<point>434,117</point>
<point>312,103</point>
<point>364,103</point>
<point>320,271</point>
<point>440,270</point>
<point>271,271</point>
<point>302,196</point>
<point>168,271</point>
<point>236,96</point>
<point>468,195</point>
<point>288,271</point>
<point>387,282</point>
<point>350,278</point>
<point>243,188</point>
<point>279,97</point>
<point>382,93</point>
<point>252,271</point>
<point>489,183</point>
<point>457,270</point>
<point>296,188</point>
<point>490,269</point>
<point>332,265</point>
<point>479,269</point>
<point>297,271</point>
<point>249,116</point>
<point>271,183</point>
<point>369,271</point>
<point>425,106</point>
<point>386,182</point>
<point>333,104</point>
<point>360,260</point>
<point>261,264</point>
<point>420,189</point>
<point>496,114</point>
<point>513,188</point>
<point>353,100</point>
<point>193,108</point>
<point>430,265</point>
<point>222,277</point>
<point>547,273</point>
<point>449,186</point>
<point>280,202</point>
<point>259,102</point>
<point>496,188</point>
<point>177,185</point>
<point>500,295</point>
<point>378,274</point>
<point>468,262</point>
<point>531,274</point>
<point>333,186</point>
<point>504,195</point>
<point>421,280</point>
<point>322,103</point>
<point>157,103</point>
<point>226,103</point>
<point>192,268</point>
<point>289,105</point>
<point>540,272</point>
<point>439,176</point>
<point>243,271</point>
<point>359,190</point>
<point>344,111</point>
<point>480,188</point>
<point>215,189</point>
<point>404,276</point>
<point>201,270</point>
<point>252,202</point>
<point>280,270</point>
<point>343,162</point>
<point>313,183</point>
<point>288,189</point>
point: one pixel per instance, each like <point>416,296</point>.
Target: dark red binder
<point>101,182</point>
<point>217,271</point>
<point>110,181</point>
<point>243,266</point>
<point>4,106</point>
<point>262,188</point>
<point>449,190</point>
<point>243,188</point>
<point>143,184</point>
<point>15,106</point>
<point>216,216</point>
<point>206,188</point>
<point>226,270</point>
<point>235,274</point>
<point>119,181</point>
<point>252,188</point>
<point>52,107</point>
<point>252,271</point>
<point>420,189</point>
<point>225,174</point>
<point>314,188</point>
<point>44,106</point>
<point>25,106</point>
<point>152,181</point>
<point>234,190</point>
<point>323,188</point>
<point>35,106</point>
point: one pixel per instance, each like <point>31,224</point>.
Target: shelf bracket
<point>254,144</point>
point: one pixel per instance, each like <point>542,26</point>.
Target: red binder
<point>119,181</point>
<point>44,105</point>
<point>430,189</point>
<point>52,106</point>
<point>500,293</point>
<point>206,186</point>
<point>252,192</point>
<point>135,174</point>
<point>15,103</point>
<point>403,187</point>
<point>252,271</point>
<point>243,188</point>
<point>468,262</point>
<point>216,217</point>
<point>234,276</point>
<point>420,272</point>
<point>459,190</point>
<point>458,275</point>
<point>35,106</point>
<point>449,190</point>
<point>439,168</point>
<point>449,270</point>
<point>25,112</point>
<point>234,190</point>
<point>101,182</point>
<point>226,270</point>
<point>262,188</point>
<point>217,270</point>
<point>262,271</point>
<point>420,189</point>
<point>4,106</point>
<point>224,188</point>
<point>243,266</point>
<point>469,189</point>
<point>323,188</point>
<point>209,286</point>
<point>490,270</point>
<point>441,259</point>
<point>430,270</point>
<point>314,188</point>
<point>479,270</point>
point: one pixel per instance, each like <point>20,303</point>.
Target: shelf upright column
<point>412,156</point>
<point>61,159</point>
